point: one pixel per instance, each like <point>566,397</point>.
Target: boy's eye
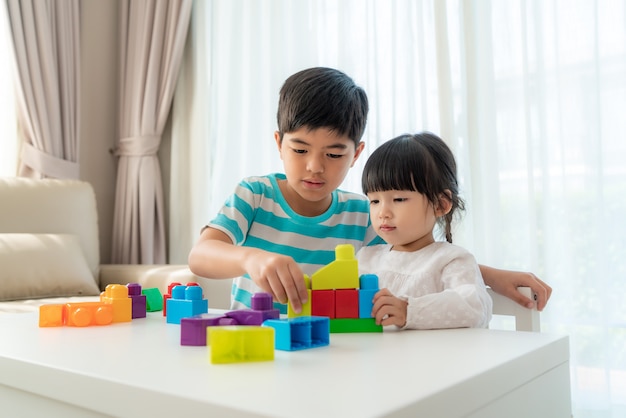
<point>335,155</point>
<point>299,151</point>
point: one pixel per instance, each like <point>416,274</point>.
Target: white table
<point>139,369</point>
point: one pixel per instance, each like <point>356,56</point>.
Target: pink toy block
<point>138,301</point>
<point>323,303</point>
<point>193,329</point>
<point>346,303</point>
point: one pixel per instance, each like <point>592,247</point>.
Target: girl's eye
<point>400,199</point>
<point>373,202</point>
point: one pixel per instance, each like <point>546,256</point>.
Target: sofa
<point>50,249</point>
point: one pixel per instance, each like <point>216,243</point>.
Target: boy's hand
<point>506,282</point>
<point>388,309</point>
<point>280,276</point>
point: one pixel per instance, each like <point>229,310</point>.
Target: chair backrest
<point>525,319</point>
<point>49,206</point>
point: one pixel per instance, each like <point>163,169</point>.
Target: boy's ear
<point>278,141</point>
<point>444,206</point>
<point>357,153</point>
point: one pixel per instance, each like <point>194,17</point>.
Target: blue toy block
<point>366,296</point>
<point>186,301</point>
<point>300,333</point>
<point>368,281</point>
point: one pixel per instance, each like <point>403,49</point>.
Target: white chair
<point>525,319</point>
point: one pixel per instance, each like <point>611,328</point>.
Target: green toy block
<point>154,299</point>
<point>240,343</point>
<point>343,325</point>
<point>343,273</point>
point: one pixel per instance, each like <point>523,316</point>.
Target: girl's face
<point>316,162</point>
<point>405,219</point>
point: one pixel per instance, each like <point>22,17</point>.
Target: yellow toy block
<point>51,315</point>
<point>240,343</point>
<point>343,273</point>
<point>306,308</point>
<point>117,295</point>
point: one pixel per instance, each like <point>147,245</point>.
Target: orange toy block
<point>52,315</point>
<point>343,273</point>
<point>83,314</point>
<point>117,296</point>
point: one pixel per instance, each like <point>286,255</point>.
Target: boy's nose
<point>315,165</point>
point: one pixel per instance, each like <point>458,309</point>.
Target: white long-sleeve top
<point>441,283</point>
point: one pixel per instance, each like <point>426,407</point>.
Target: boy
<point>276,228</point>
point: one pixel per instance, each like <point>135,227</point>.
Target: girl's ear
<point>444,206</point>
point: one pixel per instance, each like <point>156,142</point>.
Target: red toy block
<point>346,303</point>
<point>323,303</point>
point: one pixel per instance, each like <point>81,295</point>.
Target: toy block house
<point>338,293</point>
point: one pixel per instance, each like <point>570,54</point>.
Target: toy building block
<point>300,333</point>
<point>185,301</point>
<point>154,299</point>
<point>343,325</point>
<point>52,315</point>
<point>346,303</point>
<point>168,295</point>
<point>369,287</point>
<point>306,307</point>
<point>343,273</point>
<point>193,329</point>
<point>236,344</point>
<point>138,301</point>
<point>83,314</point>
<point>117,295</point>
<point>261,308</point>
<point>323,303</point>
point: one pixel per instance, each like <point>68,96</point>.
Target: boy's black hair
<point>422,163</point>
<point>322,97</point>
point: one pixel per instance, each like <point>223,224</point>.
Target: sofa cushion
<point>43,265</point>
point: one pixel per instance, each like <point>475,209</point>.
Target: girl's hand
<point>389,309</point>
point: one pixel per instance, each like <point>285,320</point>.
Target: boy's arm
<point>506,282</point>
<point>214,256</point>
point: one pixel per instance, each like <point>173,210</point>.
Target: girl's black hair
<point>422,163</point>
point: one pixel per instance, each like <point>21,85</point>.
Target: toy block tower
<point>341,295</point>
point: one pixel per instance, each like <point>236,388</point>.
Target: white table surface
<point>140,369</point>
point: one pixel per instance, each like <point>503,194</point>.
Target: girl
<point>411,184</point>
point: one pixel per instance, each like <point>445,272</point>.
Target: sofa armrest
<point>161,275</point>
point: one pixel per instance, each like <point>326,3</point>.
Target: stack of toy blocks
<point>185,301</point>
<point>338,293</point>
<point>117,295</point>
<point>168,295</point>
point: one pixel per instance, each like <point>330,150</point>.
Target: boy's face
<point>316,162</point>
<point>403,218</point>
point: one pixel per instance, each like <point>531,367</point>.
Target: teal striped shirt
<point>257,215</point>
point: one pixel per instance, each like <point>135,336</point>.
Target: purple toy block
<point>261,302</point>
<point>193,328</point>
<point>139,304</point>
<point>252,317</point>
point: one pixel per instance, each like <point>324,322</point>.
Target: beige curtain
<point>46,40</point>
<point>151,43</point>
